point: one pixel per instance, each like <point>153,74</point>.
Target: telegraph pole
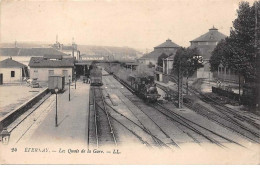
<point>180,96</point>
<point>256,14</point>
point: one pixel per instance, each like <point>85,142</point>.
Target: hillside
<point>113,52</point>
<point>116,53</point>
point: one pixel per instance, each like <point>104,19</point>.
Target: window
<point>51,72</point>
<point>65,73</point>
<point>12,73</point>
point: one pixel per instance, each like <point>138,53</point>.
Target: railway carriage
<point>96,76</point>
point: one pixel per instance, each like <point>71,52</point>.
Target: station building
<point>206,43</point>
<point>43,67</point>
<point>12,71</point>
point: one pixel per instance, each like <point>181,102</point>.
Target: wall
<point>43,73</point>
<point>7,75</point>
<point>167,66</point>
<point>204,72</point>
<point>147,61</point>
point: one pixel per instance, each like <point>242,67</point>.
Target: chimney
<point>79,55</point>
<point>73,47</point>
<point>56,38</point>
<point>72,51</point>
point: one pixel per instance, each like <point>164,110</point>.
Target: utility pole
<point>257,61</point>
<point>256,14</point>
<point>180,96</point>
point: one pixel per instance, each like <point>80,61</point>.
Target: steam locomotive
<point>141,83</point>
<point>145,87</point>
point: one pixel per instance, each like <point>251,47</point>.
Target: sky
<point>138,24</point>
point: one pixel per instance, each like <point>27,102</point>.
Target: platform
<point>39,127</point>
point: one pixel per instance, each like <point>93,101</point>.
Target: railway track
<point>189,126</point>
<point>101,132</point>
<point>103,129</point>
<point>223,120</point>
<point>200,130</point>
<point>159,142</point>
<point>229,112</point>
<point>48,108</point>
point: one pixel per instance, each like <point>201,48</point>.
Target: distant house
<point>206,43</point>
<point>23,55</point>
<point>13,71</point>
<point>42,67</point>
<point>168,47</point>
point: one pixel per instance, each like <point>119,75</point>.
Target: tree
<point>186,62</point>
<point>219,55</point>
<point>240,49</point>
<point>161,58</point>
<point>150,65</point>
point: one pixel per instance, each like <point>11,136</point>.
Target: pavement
<point>39,127</point>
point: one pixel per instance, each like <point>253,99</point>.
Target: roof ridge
<point>212,35</point>
<point>9,62</point>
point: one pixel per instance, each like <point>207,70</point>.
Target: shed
<point>13,71</point>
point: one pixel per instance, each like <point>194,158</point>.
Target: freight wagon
<point>56,81</point>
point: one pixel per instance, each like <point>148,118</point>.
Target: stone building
<point>42,67</point>
<point>168,47</point>
<point>206,43</point>
<point>13,71</point>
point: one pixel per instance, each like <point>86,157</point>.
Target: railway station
<point>122,106</point>
<point>104,103</point>
<point>176,94</point>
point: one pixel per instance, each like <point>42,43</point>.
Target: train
<point>96,76</point>
<point>144,87</point>
<point>142,83</point>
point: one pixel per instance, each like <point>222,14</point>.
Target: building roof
<point>156,53</point>
<point>29,52</point>
<point>167,44</point>
<point>10,63</point>
<point>44,62</point>
<point>213,35</point>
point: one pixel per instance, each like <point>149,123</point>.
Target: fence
<point>223,92</point>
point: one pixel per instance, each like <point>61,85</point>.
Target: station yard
<point>13,95</point>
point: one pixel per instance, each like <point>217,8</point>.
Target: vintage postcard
<point>129,82</point>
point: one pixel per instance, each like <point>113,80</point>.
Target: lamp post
<point>5,136</point>
<point>56,116</point>
<point>69,87</point>
<point>75,80</point>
